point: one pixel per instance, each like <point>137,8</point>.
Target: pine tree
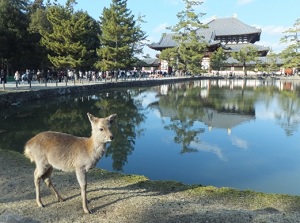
<point>291,54</point>
<point>13,32</point>
<point>245,55</point>
<point>73,37</point>
<point>217,59</point>
<point>39,23</point>
<point>272,62</point>
<point>190,45</point>
<point>170,55</point>
<point>121,37</point>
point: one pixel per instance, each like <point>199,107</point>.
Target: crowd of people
<point>56,76</point>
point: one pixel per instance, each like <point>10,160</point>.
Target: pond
<point>236,133</point>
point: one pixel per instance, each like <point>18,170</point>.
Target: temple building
<point>229,33</point>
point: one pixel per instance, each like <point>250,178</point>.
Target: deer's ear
<point>111,118</point>
<point>91,117</point>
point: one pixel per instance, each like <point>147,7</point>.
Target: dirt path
<point>121,198</point>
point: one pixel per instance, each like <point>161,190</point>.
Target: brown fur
<point>66,152</point>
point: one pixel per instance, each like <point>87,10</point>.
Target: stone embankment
<point>14,96</point>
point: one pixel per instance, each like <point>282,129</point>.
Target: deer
<point>68,153</point>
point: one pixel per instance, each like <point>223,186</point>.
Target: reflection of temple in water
<point>205,85</point>
<point>221,120</point>
<point>235,107</point>
<point>225,119</point>
<point>212,118</point>
<point>227,114</point>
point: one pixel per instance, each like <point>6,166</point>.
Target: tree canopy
<point>38,34</point>
<point>190,47</point>
<point>14,38</point>
<point>42,36</point>
<point>291,54</point>
<point>121,37</point>
<point>217,59</point>
<point>73,36</point>
<point>245,55</point>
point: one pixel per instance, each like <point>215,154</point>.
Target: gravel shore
<point>126,198</point>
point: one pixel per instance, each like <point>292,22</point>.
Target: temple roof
<point>148,62</point>
<point>167,40</point>
<point>217,27</point>
<point>231,26</point>
<point>151,62</point>
<point>238,47</point>
<point>263,60</point>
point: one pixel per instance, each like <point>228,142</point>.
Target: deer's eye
<point>101,129</point>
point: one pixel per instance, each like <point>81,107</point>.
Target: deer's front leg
<point>81,177</point>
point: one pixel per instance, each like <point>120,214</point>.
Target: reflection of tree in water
<point>185,134</point>
<point>184,106</point>
<point>70,120</point>
<point>289,119</point>
<point>130,116</point>
<point>237,101</point>
<point>288,101</point>
<point>69,115</point>
<point>58,115</point>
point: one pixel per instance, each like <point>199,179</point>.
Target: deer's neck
<point>96,151</point>
<point>97,145</point>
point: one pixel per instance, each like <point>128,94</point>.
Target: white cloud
<point>160,28</point>
<point>239,142</point>
<point>203,147</point>
<point>271,29</point>
<point>274,45</point>
<point>271,36</point>
<point>265,114</point>
<point>244,2</point>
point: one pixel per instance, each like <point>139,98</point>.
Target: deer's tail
<point>28,154</point>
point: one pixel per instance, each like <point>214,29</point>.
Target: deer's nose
<point>111,137</point>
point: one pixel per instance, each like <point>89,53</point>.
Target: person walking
<point>17,78</point>
<point>2,76</point>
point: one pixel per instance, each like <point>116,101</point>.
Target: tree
<point>121,37</point>
<point>291,55</point>
<point>170,55</point>
<point>190,45</point>
<point>14,37</point>
<point>38,24</point>
<point>217,59</point>
<point>73,37</point>
<point>272,62</point>
<point>245,55</point>
<point>38,18</point>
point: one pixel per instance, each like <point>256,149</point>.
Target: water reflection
<point>228,103</point>
<point>68,114</point>
<point>233,128</point>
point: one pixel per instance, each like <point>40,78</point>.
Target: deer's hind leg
<point>37,179</point>
<point>43,172</point>
<point>47,180</point>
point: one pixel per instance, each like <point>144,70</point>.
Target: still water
<point>225,133</point>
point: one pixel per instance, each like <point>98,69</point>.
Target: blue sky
<point>271,16</point>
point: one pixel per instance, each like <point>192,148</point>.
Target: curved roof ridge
<point>231,26</point>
